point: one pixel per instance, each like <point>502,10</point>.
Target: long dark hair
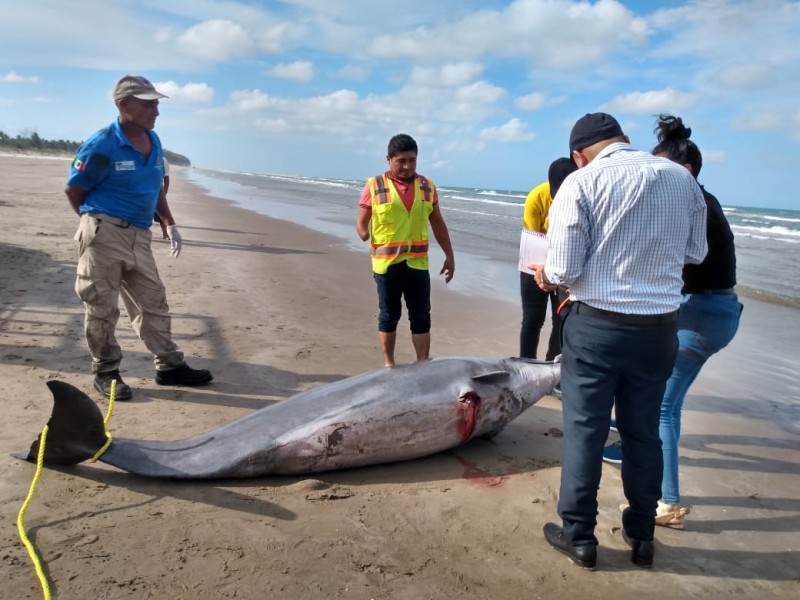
<point>674,143</point>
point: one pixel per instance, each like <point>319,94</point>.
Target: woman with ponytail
<point>709,314</point>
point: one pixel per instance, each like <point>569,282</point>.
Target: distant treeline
<point>33,142</point>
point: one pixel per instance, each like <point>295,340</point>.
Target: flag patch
<point>78,164</point>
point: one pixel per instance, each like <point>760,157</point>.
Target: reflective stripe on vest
<point>399,248</point>
<point>380,189</point>
<point>425,189</point>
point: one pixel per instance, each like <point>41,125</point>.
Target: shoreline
<point>499,282</point>
<point>274,309</point>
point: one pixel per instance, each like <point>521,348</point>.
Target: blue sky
<point>488,88</point>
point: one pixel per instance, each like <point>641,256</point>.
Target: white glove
<point>175,240</point>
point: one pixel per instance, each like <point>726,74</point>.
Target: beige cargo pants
<point>115,259</point>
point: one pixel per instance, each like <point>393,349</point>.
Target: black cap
<point>557,173</point>
<point>592,128</point>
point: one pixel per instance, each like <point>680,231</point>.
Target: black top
<point>718,269</point>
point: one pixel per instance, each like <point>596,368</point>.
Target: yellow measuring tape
<point>39,462</point>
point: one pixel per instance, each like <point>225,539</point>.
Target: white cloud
<point>717,28</point>
<point>762,121</point>
<point>511,131</point>
<point>274,39</point>
<point>247,100</point>
<point>217,40</point>
<point>12,77</point>
<point>191,93</point>
<point>518,30</point>
<point>748,76</point>
<point>447,75</point>
<point>629,126</point>
<point>356,72</point>
<point>338,100</point>
<point>299,70</point>
<point>785,121</point>
<point>653,102</point>
<point>472,102</point>
<point>273,125</point>
<point>714,156</point>
<point>531,102</point>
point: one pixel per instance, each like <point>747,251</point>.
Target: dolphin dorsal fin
<point>490,376</point>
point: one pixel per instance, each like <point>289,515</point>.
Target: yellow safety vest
<point>399,234</point>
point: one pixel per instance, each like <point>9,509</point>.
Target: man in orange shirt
<point>393,214</point>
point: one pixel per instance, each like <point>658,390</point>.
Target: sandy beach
<point>273,309</point>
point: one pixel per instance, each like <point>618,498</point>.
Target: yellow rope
<point>105,446</point>
<point>20,518</point>
<point>39,462</point>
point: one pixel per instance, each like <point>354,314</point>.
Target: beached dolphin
<point>388,415</point>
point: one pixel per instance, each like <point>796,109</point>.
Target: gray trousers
<point>115,260</point>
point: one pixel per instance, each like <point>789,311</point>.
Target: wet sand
<point>273,309</point>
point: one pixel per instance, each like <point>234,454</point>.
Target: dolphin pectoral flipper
<point>491,376</point>
<point>75,429</point>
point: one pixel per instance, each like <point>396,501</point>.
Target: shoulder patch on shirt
<point>79,165</point>
<point>124,165</point>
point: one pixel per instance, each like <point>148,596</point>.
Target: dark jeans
<point>534,311</point>
<point>606,363</point>
<point>401,281</point>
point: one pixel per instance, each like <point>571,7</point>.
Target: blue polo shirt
<point>117,178</point>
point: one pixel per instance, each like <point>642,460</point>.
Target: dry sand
<point>274,309</point>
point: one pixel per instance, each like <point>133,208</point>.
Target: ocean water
<point>485,225</point>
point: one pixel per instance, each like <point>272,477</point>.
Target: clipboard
<point>532,249</point>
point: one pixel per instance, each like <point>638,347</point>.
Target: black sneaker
<point>102,383</point>
<point>184,375</point>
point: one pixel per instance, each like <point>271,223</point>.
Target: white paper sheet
<point>532,249</point>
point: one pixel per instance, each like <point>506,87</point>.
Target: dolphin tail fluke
<point>75,429</point>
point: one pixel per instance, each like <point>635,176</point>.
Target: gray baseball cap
<point>136,86</point>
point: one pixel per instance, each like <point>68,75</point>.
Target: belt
<point>109,219</point>
<point>628,319</point>
<point>725,292</point>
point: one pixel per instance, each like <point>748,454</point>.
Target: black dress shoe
<point>584,556</point>
<point>642,551</point>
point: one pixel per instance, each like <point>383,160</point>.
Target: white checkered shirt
<point>621,229</point>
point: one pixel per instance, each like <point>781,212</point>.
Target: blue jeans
<point>707,323</point>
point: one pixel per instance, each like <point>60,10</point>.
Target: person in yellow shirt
<point>534,300</point>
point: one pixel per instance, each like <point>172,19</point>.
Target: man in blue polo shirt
<point>115,186</point>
